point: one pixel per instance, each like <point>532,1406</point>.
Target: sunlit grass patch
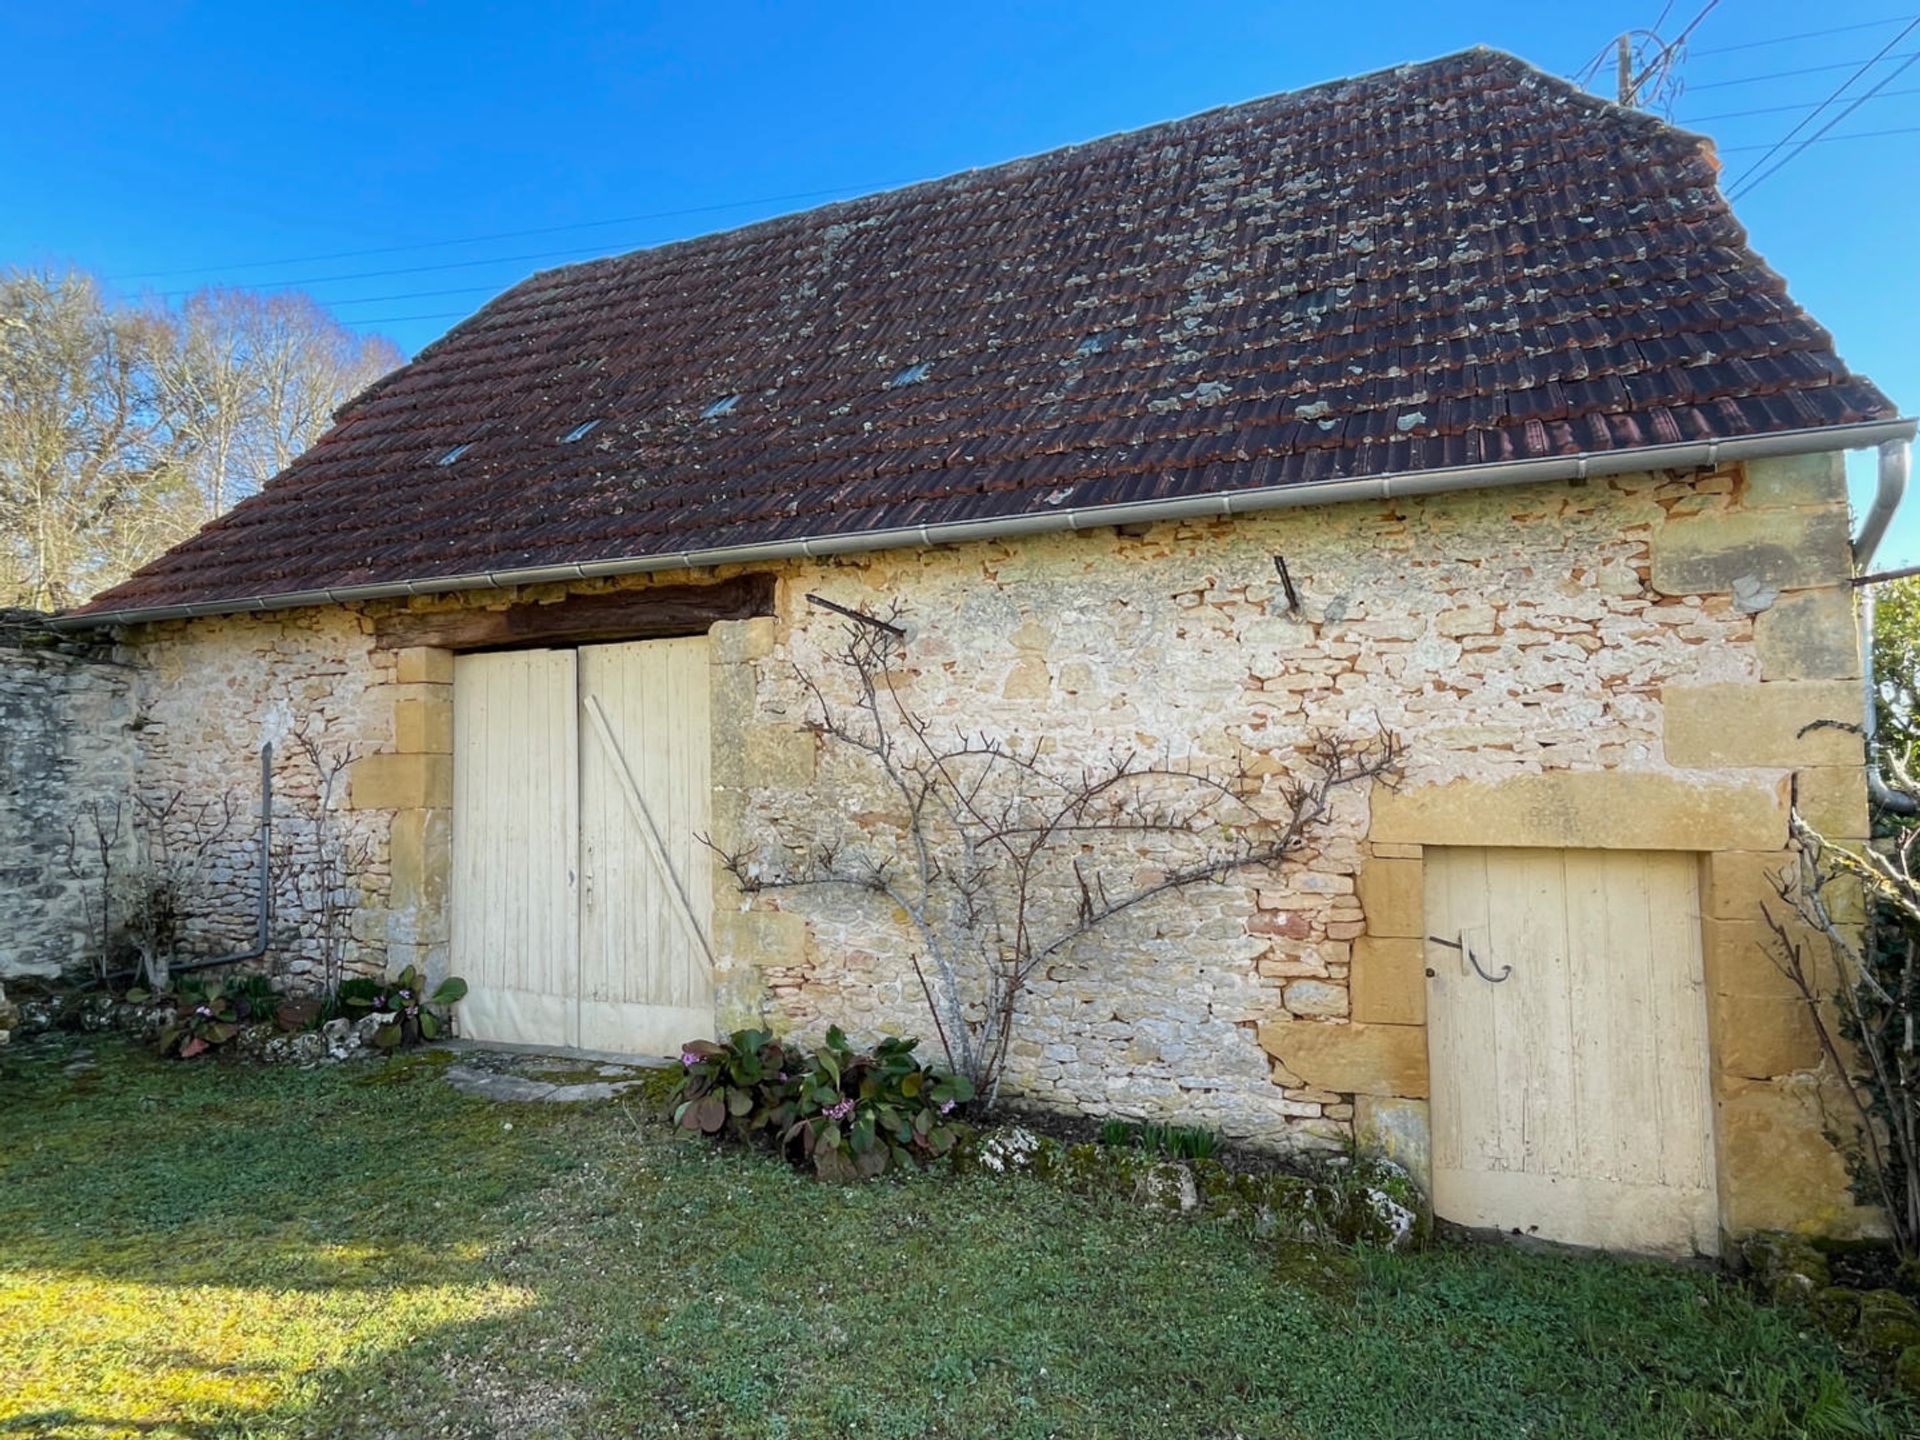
<point>86,1356</point>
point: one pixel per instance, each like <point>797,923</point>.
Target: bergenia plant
<point>862,1112</point>
<point>416,1014</point>
<point>202,1022</point>
<point>746,1083</point>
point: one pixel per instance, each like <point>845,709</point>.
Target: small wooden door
<point>581,895</point>
<point>1567,1035</point>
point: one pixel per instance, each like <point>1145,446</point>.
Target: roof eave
<point>1680,456</point>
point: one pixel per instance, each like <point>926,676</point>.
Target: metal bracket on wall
<point>1286,583</point>
<point>852,614</point>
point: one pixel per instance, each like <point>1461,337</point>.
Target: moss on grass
<point>407,1067</point>
<point>217,1251</point>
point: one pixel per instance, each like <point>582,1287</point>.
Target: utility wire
<point>1787,159</point>
<point>1586,74</point>
<point>1803,35</point>
<point>413,295</point>
<point>1839,90</point>
<point>1724,150</point>
<point>1776,110</point>
<point>588,252</point>
<point>509,234</point>
<point>572,252</point>
<point>1825,140</point>
<point>399,319</point>
<point>1789,74</point>
<point>1669,50</point>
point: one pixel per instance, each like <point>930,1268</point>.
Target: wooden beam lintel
<point>647,613</point>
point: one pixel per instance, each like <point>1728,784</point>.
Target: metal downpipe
<point>1895,460</point>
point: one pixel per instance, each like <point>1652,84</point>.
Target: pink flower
<point>840,1111</point>
<point>946,1107</point>
<point>689,1059</point>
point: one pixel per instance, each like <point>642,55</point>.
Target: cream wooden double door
<point>1567,1035</point>
<point>581,894</point>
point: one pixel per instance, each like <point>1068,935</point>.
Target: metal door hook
<point>1473,960</point>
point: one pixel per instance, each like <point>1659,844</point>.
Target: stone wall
<point>1527,644</point>
<point>1625,662</point>
<point>218,689</point>
<point>67,741</point>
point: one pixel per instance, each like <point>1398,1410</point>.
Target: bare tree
<point>124,427</point>
<point>255,379</point>
<point>88,480</point>
<point>1004,859</point>
<point>1846,935</point>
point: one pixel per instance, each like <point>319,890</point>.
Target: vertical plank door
<point>646,899</point>
<point>1567,1035</point>
<point>514,901</point>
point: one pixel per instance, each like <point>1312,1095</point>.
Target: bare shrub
<point>1864,1004</point>
<point>324,882</point>
<point>1004,855</point>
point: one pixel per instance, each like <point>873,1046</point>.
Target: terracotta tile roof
<point>1448,263</point>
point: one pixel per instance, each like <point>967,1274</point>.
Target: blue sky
<point>169,145</point>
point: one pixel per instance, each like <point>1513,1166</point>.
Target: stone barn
<point>1447,403</point>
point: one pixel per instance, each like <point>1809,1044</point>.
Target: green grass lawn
<point>195,1249</point>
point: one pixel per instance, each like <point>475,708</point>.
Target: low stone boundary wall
<point>67,741</point>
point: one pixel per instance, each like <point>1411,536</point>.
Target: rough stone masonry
<point>67,744</point>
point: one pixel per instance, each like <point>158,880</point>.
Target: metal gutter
<point>1686,455</point>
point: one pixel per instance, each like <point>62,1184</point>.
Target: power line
<point>1630,46</point>
<point>1666,56</point>
<point>412,295</point>
<point>1789,74</point>
<point>509,234</point>
<point>1803,35</point>
<point>1825,140</point>
<point>1787,159</point>
<point>400,270</point>
<point>588,252</point>
<point>1839,90</point>
<point>1776,110</point>
<point>398,319</point>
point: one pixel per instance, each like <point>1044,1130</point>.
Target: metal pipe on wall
<point>1891,485</point>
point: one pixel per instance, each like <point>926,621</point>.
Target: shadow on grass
<point>74,1423</point>
<point>194,1173</point>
